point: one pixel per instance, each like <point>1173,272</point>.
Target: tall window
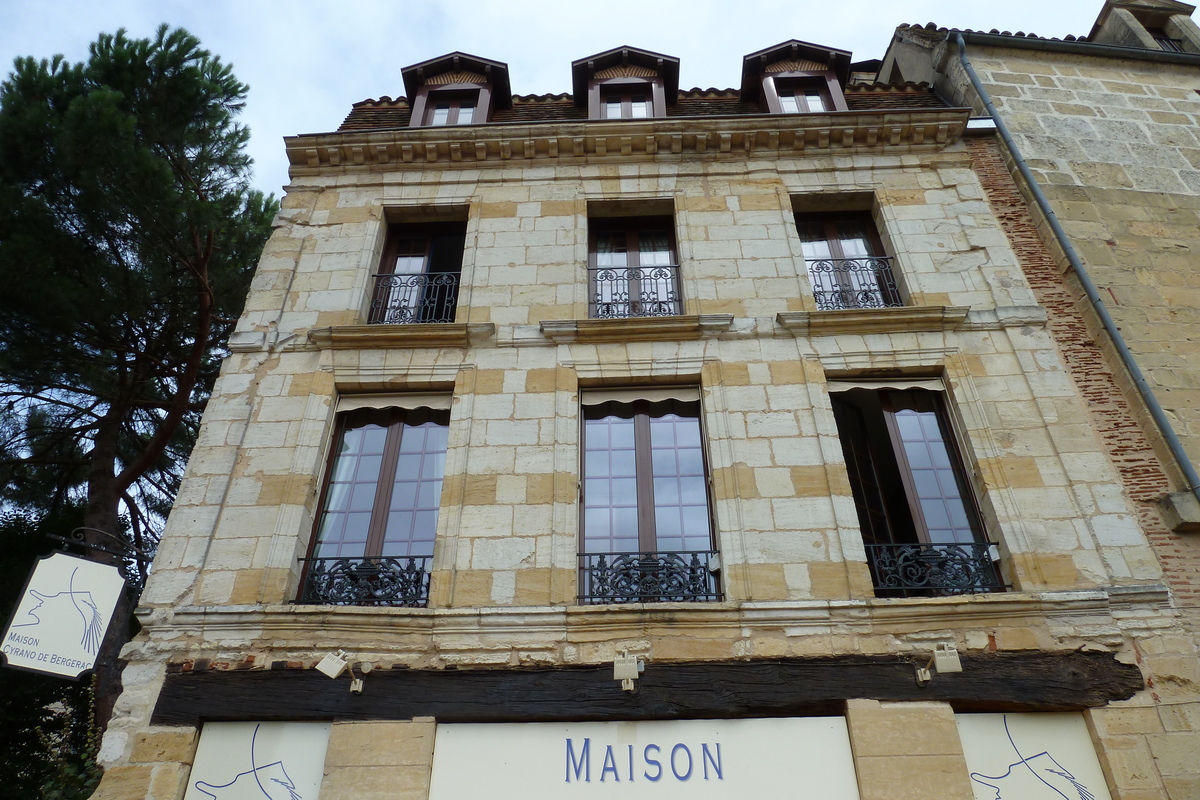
<point>379,508</point>
<point>647,530</point>
<point>916,509</point>
<point>846,262</point>
<point>419,274</point>
<point>634,271</point>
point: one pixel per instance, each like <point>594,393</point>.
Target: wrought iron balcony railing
<point>405,299</point>
<point>687,577</point>
<point>917,570</point>
<point>371,581</point>
<point>864,282</point>
<point>621,292</point>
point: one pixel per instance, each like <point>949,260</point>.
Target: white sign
<point>60,622</point>
<point>693,759</point>
<point>259,761</point>
<point>1031,757</point>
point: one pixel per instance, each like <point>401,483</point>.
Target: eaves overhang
<point>841,132</point>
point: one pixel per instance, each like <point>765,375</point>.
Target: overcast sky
<point>306,62</point>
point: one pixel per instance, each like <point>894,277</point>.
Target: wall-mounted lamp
<point>944,659</point>
<point>627,669</point>
<point>335,663</point>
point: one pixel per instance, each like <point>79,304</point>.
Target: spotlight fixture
<point>337,662</point>
<point>627,669</point>
<point>944,660</point>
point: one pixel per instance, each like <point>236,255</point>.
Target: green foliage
<point>128,235</point>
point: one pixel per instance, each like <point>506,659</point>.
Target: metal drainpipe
<point>1089,288</point>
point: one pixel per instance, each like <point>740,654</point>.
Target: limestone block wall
<point>1114,144</point>
<point>504,576</point>
<point>785,519</point>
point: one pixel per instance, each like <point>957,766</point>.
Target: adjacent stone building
<point>649,442</point>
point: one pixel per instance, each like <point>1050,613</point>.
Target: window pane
<point>417,490</point>
<point>788,103</point>
<point>639,107</point>
<point>814,101</point>
<point>466,114</point>
<point>612,108</point>
<point>935,482</point>
<point>441,114</point>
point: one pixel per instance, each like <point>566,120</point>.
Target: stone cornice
<point>636,329</point>
<point>424,334</point>
<point>777,134</point>
<point>1093,614</point>
<point>873,320</point>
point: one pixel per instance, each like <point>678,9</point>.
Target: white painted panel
<point>1031,757</point>
<point>259,761</point>
<point>668,760</point>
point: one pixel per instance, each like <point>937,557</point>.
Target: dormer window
<point>1147,24</point>
<point>796,78</point>
<point>456,89</point>
<point>626,83</point>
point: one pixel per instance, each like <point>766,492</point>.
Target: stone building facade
<point>646,442</point>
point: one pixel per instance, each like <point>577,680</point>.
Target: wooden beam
<point>1020,681</point>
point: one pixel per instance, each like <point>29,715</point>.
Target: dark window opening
<point>419,275</point>
<point>920,524</point>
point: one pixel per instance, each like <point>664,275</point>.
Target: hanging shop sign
<point>1031,757</point>
<point>690,759</point>
<point>63,615</point>
<point>259,761</point>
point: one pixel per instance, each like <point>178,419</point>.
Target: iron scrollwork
<point>648,577</point>
<point>864,282</point>
<point>405,299</point>
<point>933,569</point>
<point>622,292</point>
<point>371,581</point>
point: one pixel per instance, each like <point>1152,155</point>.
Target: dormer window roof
<point>625,83</point>
<point>456,89</point>
<point>796,77</point>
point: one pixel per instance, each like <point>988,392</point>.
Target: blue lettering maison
<point>682,763</point>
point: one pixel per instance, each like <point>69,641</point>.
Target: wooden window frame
<point>427,98</point>
<point>641,412</point>
<point>887,459</point>
<point>829,221</point>
<point>633,227</point>
<point>396,419</point>
<point>825,80</point>
<point>599,90</point>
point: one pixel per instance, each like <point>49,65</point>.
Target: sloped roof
<point>754,64</point>
<point>582,70</point>
<point>387,113</point>
<point>496,73</point>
